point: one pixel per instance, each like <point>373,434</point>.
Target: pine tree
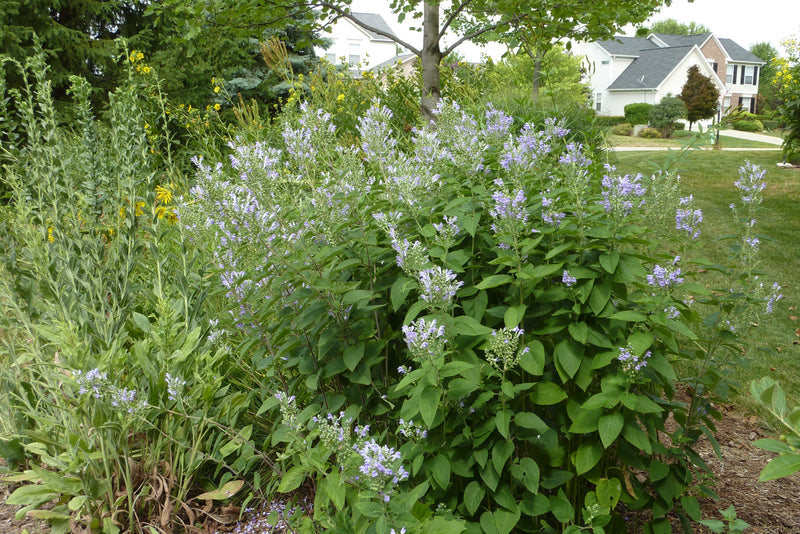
<point>700,96</point>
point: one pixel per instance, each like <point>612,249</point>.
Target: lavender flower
<point>523,152</point>
<point>174,385</point>
<point>424,339</point>
<point>621,194</point>
<point>632,363</point>
<point>687,219</point>
<point>94,380</point>
<point>411,431</point>
<point>502,352</point>
<point>568,280</point>
<point>774,297</point>
<point>376,140</point>
<point>751,183</point>
<point>498,124</point>
<point>411,257</point>
<point>381,465</point>
<point>439,286</point>
<point>666,276</point>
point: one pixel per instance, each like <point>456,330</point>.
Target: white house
<point>624,70</point>
<point>359,47</point>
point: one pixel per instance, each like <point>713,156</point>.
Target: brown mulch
<point>769,507</point>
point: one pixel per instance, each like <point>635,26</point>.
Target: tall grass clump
<point>457,327</point>
<point>115,405</point>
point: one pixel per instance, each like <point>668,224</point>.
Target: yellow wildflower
<point>146,69</point>
<point>216,88</point>
<point>217,107</point>
<point>340,97</point>
<point>50,236</point>
<point>138,212</point>
<point>164,194</point>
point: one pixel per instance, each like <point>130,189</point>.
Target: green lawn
<point>709,176</point>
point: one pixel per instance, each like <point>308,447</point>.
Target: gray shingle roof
<point>376,21</point>
<point>626,46</point>
<point>738,53</point>
<point>393,61</point>
<point>650,68</point>
<point>683,40</point>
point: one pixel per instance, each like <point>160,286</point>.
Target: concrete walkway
<point>749,136</point>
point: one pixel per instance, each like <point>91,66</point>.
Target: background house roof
<point>376,21</point>
<point>650,68</point>
<point>402,58</point>
<point>626,46</point>
<point>683,40</point>
<point>737,53</point>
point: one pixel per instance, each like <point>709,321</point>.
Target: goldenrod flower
<point>163,194</point>
<point>217,107</point>
<point>50,236</point>
<point>216,88</point>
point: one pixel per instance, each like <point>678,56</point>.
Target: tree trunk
<point>431,59</point>
<point>537,75</point>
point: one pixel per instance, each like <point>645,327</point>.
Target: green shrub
<point>602,120</point>
<point>664,115</point>
<point>622,129</point>
<point>748,126</point>
<point>650,133</point>
<point>772,124</point>
<point>678,125</point>
<point>638,113</point>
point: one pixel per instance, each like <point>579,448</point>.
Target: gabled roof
<point>650,69</point>
<point>698,39</point>
<point>376,21</point>
<point>626,46</point>
<point>737,53</point>
<point>402,58</point>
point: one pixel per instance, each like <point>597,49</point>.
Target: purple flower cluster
<point>751,183</point>
<point>411,431</point>
<point>774,297</point>
<point>94,380</point>
<point>380,465</point>
<point>96,383</point>
<point>567,279</point>
<point>376,139</point>
<point>687,219</point>
<point>666,276</point>
<point>621,194</point>
<point>439,286</point>
<point>522,153</point>
<point>508,207</point>
<point>498,124</point>
<point>502,351</point>
<point>632,362</point>
<point>174,385</point>
<point>574,156</point>
<point>459,131</point>
<point>425,339</point>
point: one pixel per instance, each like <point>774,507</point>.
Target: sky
<point>745,21</point>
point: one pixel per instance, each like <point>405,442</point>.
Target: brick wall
<point>713,52</point>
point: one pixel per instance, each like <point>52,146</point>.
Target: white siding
<point>346,35</point>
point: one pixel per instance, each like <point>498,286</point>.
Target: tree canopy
<point>699,95</point>
<point>544,21</point>
<point>673,27</point>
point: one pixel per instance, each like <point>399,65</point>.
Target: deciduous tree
<point>699,95</point>
<point>673,27</point>
<point>470,19</point>
<point>665,113</point>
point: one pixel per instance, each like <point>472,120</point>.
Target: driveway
<point>752,136</point>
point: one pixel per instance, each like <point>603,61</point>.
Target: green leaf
<point>357,295</point>
<point>608,492</point>
<point>636,437</point>
<point>598,298</point>
<point>473,496</point>
<point>609,426</point>
<point>494,281</point>
<point>533,359</point>
<point>773,445</point>
<point>585,421</point>
<point>441,470</point>
<point>630,316</point>
<point>780,466</point>
<point>692,508</point>
<point>501,452</point>
<point>547,394</point>
<point>609,261</point>
<point>579,332</point>
<point>543,271</point>
<point>225,492</point>
<point>500,521</point>
<point>561,507</point>
<point>514,315</point>
<point>502,420</point>
<point>429,404</point>
<point>400,290</point>
<point>568,355</point>
<point>530,421</point>
<point>465,325</point>
<point>587,456</point>
<point>370,509</point>
<point>33,494</point>
<point>353,355</point>
<point>292,479</point>
<point>336,490</point>
<point>441,525</point>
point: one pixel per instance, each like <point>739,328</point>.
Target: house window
<point>598,101</point>
<point>745,103</point>
<point>729,74</point>
<point>355,55</point>
<point>331,58</point>
<point>713,65</point>
<point>748,75</point>
<point>726,104</point>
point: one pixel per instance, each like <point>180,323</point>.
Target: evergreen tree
<point>699,95</point>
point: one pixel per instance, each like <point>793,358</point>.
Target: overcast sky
<point>745,21</point>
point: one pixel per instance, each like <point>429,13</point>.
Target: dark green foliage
<point>602,120</point>
<point>673,27</point>
<point>665,113</point>
<point>699,95</point>
<point>638,113</point>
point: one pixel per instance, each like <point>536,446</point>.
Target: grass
<point>774,347</point>
<point>678,140</point>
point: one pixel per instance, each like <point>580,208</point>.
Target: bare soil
<point>769,507</point>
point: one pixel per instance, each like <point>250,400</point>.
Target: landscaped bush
<point>453,329</point>
<point>638,113</point>
<point>748,126</point>
<point>622,129</point>
<point>771,125</point>
<point>664,115</point>
<point>650,133</point>
<point>603,120</point>
<point>678,126</point>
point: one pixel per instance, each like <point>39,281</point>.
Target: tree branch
<point>349,16</point>
<point>476,33</point>
<point>452,17</point>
